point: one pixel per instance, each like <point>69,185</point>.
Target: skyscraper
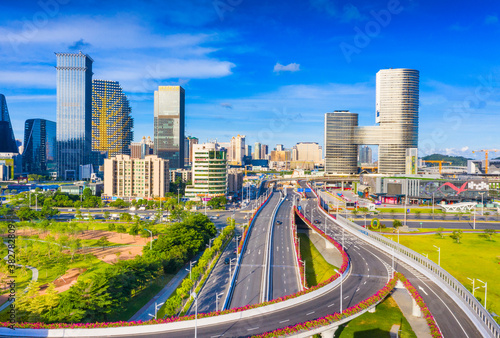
<point>7,140</point>
<point>74,112</point>
<point>169,125</point>
<point>190,142</point>
<point>39,155</point>
<point>365,154</point>
<point>237,150</point>
<point>397,96</point>
<point>256,151</point>
<point>264,150</point>
<point>111,120</point>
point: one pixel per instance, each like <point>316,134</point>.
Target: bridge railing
<point>477,313</point>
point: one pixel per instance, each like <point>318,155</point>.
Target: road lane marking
<point>284,321</point>
<point>310,313</point>
<point>253,328</point>
<point>346,297</point>
<point>328,306</point>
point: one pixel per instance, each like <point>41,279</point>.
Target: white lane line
<point>253,328</point>
<point>357,289</point>
<point>364,283</point>
<point>284,321</point>
<point>346,297</point>
<point>310,313</point>
<point>216,336</point>
<point>328,306</point>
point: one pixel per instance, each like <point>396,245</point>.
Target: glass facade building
<point>341,150</point>
<point>397,97</point>
<point>7,140</point>
<point>40,139</point>
<point>74,112</point>
<point>111,120</point>
<point>169,125</point>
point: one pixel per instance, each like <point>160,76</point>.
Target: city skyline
<point>283,91</point>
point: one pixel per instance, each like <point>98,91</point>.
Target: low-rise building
<point>186,175</point>
<point>127,177</point>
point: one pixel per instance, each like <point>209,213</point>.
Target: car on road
<point>279,222</point>
<point>227,260</point>
<point>317,221</point>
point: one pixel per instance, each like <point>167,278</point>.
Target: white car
<point>142,209</point>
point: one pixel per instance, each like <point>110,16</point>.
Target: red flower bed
<point>431,322</point>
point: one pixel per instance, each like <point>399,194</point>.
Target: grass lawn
<point>141,299</point>
<point>317,268</point>
<point>378,324</point>
<point>475,257</point>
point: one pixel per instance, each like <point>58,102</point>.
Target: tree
<point>125,217</point>
<point>103,241</point>
<point>397,223</point>
<point>439,232</point>
<point>355,212</point>
<point>78,213</point>
<point>489,233</point>
<point>217,202</point>
<point>106,214</point>
<point>457,235</point>
<point>417,214</point>
<point>25,214</point>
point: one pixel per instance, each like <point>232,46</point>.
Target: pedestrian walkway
<point>405,304</point>
<point>163,295</point>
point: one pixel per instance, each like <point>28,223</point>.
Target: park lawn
<point>317,268</point>
<point>378,324</point>
<point>475,257</point>
<point>141,298</point>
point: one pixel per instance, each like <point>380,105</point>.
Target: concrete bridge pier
<point>330,333</point>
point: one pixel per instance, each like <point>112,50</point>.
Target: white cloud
<point>292,67</point>
<point>491,20</point>
<point>123,48</point>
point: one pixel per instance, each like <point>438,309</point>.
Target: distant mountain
<point>455,160</point>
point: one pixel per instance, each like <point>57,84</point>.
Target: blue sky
<point>265,69</point>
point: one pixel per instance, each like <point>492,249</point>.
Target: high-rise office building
<point>397,96</point>
<point>248,150</point>
<point>264,150</point>
<point>237,149</point>
<point>280,147</point>
<point>169,125</point>
<point>74,112</point>
<point>256,151</point>
<point>111,120</point>
<point>365,155</point>
<point>40,138</point>
<point>188,149</point>
<point>7,140</point>
<point>309,152</point>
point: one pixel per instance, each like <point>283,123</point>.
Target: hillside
<point>455,160</point>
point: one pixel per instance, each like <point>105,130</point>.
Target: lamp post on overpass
<point>341,279</point>
<point>217,295</point>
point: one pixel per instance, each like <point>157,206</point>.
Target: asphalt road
<point>248,285</point>
<point>450,318</point>
<point>283,266</point>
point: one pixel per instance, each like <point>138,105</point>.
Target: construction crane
<point>440,163</point>
<point>486,152</point>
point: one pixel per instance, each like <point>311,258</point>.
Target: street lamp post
<point>195,315</point>
<point>191,263</point>
<point>473,280</point>
<point>150,243</point>
<point>439,254</point>
<point>474,213</point>
<point>217,295</point>
<point>485,291</point>
<point>341,279</point>
<point>482,201</point>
